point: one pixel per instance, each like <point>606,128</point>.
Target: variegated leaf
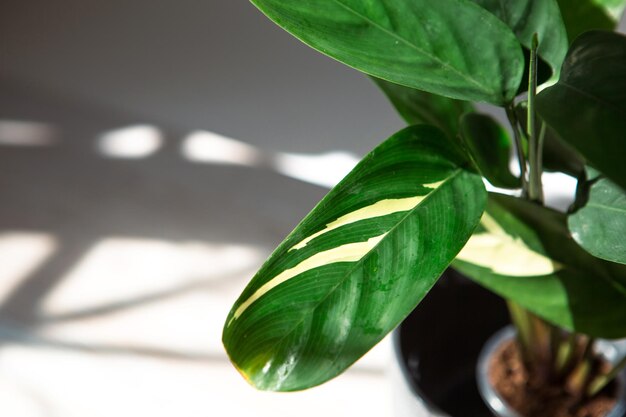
<point>524,253</point>
<point>357,264</point>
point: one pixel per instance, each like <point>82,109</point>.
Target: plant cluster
<point>370,251</point>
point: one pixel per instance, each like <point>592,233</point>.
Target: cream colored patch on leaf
<point>378,209</point>
<point>504,254</point>
<point>434,185</point>
<point>350,252</point>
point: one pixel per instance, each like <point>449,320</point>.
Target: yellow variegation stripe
<point>504,254</point>
<point>350,252</point>
<point>378,209</point>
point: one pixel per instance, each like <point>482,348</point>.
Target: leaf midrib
<point>415,47</point>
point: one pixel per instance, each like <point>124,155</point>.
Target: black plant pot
<point>438,346</point>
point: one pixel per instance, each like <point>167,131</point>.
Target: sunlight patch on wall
<point>117,269</point>
<point>21,253</point>
<point>26,133</point>
<point>205,146</point>
<point>131,142</point>
<point>325,169</point>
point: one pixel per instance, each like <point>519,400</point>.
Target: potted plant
<point>373,248</point>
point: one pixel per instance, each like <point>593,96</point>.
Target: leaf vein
<point>414,46</point>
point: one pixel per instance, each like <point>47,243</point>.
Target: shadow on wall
<point>133,214</point>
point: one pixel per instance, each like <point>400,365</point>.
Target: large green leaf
<point>527,17</point>
<point>583,15</point>
<point>357,264</point>
<point>490,147</point>
<point>524,252</point>
<point>600,226</point>
<point>418,107</point>
<point>587,107</point>
<point>449,47</point>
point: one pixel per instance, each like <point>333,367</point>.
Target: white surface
<point>46,382</point>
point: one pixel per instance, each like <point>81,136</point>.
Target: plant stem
<point>578,380</point>
<point>565,353</point>
<point>535,191</point>
<point>521,320</point>
<point>538,164</point>
<point>518,134</point>
<point>545,337</point>
<point>556,335</point>
<point>601,381</point>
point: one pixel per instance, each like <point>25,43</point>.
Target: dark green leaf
<point>524,252</point>
<point>600,226</point>
<point>357,264</point>
<point>587,107</point>
<point>452,48</point>
<point>583,15</point>
<point>490,147</point>
<point>526,17</point>
<point>558,156</point>
<point>417,107</point>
